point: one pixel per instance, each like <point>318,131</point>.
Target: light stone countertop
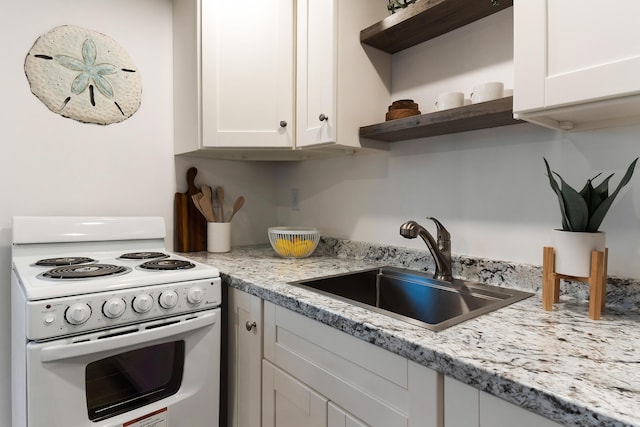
<point>559,364</point>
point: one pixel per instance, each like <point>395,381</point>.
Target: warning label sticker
<point>154,419</point>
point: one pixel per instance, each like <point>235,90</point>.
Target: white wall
<point>50,165</point>
<point>488,187</point>
<point>254,181</point>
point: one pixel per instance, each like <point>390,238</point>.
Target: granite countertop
<point>559,364</point>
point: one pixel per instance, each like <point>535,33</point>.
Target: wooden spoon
<point>220,193</point>
<point>236,207</point>
<point>196,201</point>
<point>206,204</point>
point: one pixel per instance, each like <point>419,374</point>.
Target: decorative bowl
<point>294,242</point>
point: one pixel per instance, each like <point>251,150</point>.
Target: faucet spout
<point>440,250</point>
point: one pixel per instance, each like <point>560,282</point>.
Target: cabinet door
<point>466,406</point>
<point>245,359</point>
<point>570,52</point>
<point>316,73</point>
<point>338,417</point>
<point>247,73</point>
<point>289,403</point>
<point>461,404</point>
<point>495,412</point>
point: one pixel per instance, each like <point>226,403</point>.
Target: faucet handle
<point>443,233</point>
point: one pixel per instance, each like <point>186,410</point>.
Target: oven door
<point>159,373</point>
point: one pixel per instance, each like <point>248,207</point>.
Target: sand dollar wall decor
<point>83,75</point>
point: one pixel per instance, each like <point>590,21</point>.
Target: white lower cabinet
<point>338,417</point>
<point>360,383</point>
<point>289,403</point>
<point>245,359</point>
<point>466,406</point>
<point>286,370</point>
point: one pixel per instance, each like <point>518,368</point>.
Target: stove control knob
<point>77,314</point>
<point>142,303</point>
<point>49,318</point>
<point>168,299</point>
<point>195,295</point>
<point>114,308</point>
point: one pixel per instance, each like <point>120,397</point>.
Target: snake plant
<point>585,210</point>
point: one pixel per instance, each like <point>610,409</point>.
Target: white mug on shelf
<point>487,92</point>
<point>449,100</point>
<point>218,236</point>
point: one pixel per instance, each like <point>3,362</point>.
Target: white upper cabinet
<point>341,85</point>
<point>247,70</point>
<point>317,72</point>
<point>233,74</point>
<point>266,80</point>
<point>576,63</point>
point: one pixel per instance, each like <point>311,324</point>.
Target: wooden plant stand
<point>597,281</point>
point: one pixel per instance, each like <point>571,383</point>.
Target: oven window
<point>133,379</point>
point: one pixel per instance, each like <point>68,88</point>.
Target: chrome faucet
<point>440,251</point>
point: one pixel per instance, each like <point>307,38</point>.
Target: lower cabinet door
<point>244,359</point>
<point>337,417</point>
<point>289,403</point>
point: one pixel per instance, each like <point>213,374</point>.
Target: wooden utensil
<point>206,204</point>
<point>220,194</point>
<point>196,201</point>
<point>236,207</point>
<point>190,227</point>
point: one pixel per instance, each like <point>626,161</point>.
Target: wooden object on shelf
<point>597,281</point>
<point>401,113</point>
<point>470,117</point>
<point>425,20</point>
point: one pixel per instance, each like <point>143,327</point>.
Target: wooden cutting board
<point>190,227</point>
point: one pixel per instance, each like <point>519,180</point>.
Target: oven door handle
<point>66,351</point>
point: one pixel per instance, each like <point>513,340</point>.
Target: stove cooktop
<point>92,272</point>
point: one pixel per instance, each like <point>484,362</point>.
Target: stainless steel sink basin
<point>414,297</point>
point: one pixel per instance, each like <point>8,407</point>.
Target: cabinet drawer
<point>373,384</point>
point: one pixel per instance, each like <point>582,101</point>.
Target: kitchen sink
<point>414,297</point>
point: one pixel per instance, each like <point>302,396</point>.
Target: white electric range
<point>104,316</point>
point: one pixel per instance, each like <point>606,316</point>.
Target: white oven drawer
<point>73,379</point>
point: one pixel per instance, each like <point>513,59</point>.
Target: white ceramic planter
<point>573,251</point>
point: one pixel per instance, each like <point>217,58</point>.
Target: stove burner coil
<point>70,260</point>
<point>85,271</point>
<point>143,255</point>
<point>167,264</point>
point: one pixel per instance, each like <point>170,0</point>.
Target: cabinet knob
<point>250,325</point>
<point>283,124</point>
<point>323,118</point>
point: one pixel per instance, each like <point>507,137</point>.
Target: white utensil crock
<point>573,251</point>
<point>218,236</point>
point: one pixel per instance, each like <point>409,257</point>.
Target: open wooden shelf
<point>470,117</point>
<point>426,19</point>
